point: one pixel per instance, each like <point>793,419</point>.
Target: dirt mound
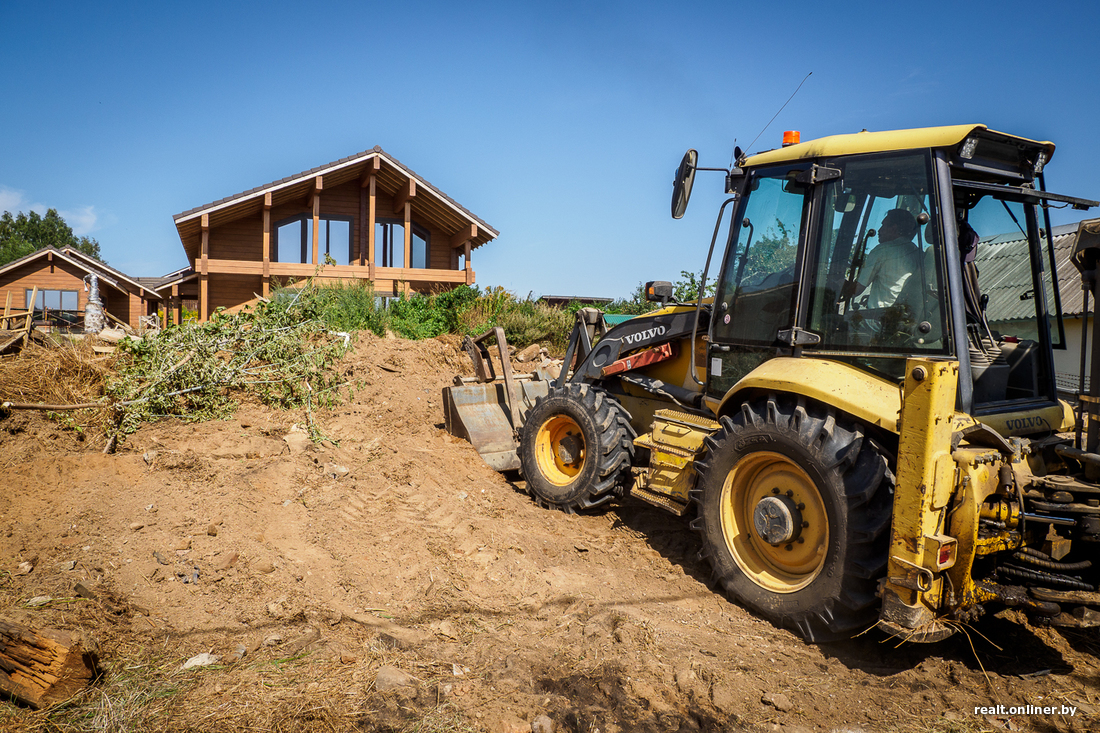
<point>386,578</point>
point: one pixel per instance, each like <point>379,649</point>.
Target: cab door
<point>757,289</point>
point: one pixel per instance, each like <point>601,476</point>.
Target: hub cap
<point>774,522</point>
<point>560,450</point>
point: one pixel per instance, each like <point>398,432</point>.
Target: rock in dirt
<point>273,640</point>
<point>161,558</point>
<point>389,678</point>
<point>508,723</point>
<point>264,566</point>
<point>24,568</point>
<point>777,700</point>
<point>135,526</point>
<point>212,530</point>
<point>236,655</point>
<point>201,660</point>
<point>303,642</point>
<point>298,442</point>
<point>183,544</point>
<point>335,470</point>
<point>67,565</point>
<point>542,724</point>
<point>228,561</point>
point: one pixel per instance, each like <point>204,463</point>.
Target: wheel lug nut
<point>801,540</point>
<point>789,547</point>
<point>790,493</point>
<point>775,491</point>
<point>805,525</point>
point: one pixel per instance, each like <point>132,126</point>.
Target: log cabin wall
<point>44,275</point>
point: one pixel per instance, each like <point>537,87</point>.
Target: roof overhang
<point>357,167</point>
<point>887,141</point>
<point>90,265</point>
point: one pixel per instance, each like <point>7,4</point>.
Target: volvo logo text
<point>644,335</point>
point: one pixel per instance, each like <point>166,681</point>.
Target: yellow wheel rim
<point>560,450</point>
<point>789,566</point>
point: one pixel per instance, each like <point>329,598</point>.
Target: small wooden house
<point>378,220</point>
<point>59,276</point>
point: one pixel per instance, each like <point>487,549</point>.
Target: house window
<point>389,244</point>
<point>54,300</point>
<point>294,239</point>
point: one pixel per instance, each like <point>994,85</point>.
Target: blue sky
<point>559,124</point>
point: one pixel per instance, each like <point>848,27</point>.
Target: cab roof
<point>891,140</point>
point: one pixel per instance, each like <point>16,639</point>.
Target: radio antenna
<point>749,146</point>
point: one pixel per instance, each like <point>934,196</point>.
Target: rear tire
<point>795,508</point>
<point>576,448</point>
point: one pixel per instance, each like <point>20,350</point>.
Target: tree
<point>26,233</point>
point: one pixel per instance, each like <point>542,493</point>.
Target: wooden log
<point>44,666</point>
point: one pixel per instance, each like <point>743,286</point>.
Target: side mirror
<point>681,187</point>
<point>658,291</point>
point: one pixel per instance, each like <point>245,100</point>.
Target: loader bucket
<point>479,412</point>
<point>488,409</point>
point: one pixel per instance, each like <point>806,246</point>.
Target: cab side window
<point>756,295</point>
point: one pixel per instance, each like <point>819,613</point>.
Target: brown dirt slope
<point>393,546</point>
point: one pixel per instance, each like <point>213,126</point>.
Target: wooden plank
<point>403,195</point>
<point>464,235</point>
<point>267,246</point>
<point>371,218</point>
<point>42,667</point>
<point>7,310</point>
<point>373,166</point>
<point>204,296</point>
<point>316,224</point>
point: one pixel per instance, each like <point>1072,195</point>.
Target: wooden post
<point>42,667</point>
<point>7,310</point>
<point>469,269</point>
<point>362,258</point>
<point>204,276</point>
<point>372,215</point>
<point>317,185</point>
<point>408,242</point>
<point>177,303</point>
<point>267,245</point>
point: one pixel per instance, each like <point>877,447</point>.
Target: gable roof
<point>1005,266</point>
<point>392,173</point>
<point>89,264</point>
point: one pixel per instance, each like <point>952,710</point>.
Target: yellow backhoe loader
<point>863,423</point>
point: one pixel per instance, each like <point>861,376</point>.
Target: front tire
<point>576,448</point>
<point>794,507</point>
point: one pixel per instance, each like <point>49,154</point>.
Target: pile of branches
<point>279,352</point>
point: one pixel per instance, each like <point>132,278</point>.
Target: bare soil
<point>422,558</point>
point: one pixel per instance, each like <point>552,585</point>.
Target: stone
<point>298,442</point>
<point>24,568</point>
<point>335,470</point>
<point>135,526</point>
<point>508,723</point>
<point>528,354</point>
<point>212,530</point>
<point>304,641</point>
<point>228,561</point>
<point>67,565</point>
<point>542,724</point>
<point>183,544</point>
<point>273,640</point>
<point>236,655</point>
<point>777,700</point>
<point>264,566</point>
<point>389,678</point>
<point>161,558</point>
<point>149,456</point>
<point>201,660</point>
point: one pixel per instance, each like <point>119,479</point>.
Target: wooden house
<point>59,276</point>
<point>378,220</point>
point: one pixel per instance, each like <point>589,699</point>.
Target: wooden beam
<point>408,236</point>
<point>373,166</point>
<point>372,207</point>
<point>177,305</point>
<point>362,239</point>
<point>315,188</point>
<point>469,269</point>
<point>404,194</point>
<point>464,235</point>
<point>43,666</point>
<point>317,222</point>
<point>204,298</point>
<point>267,245</point>
<point>204,252</point>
